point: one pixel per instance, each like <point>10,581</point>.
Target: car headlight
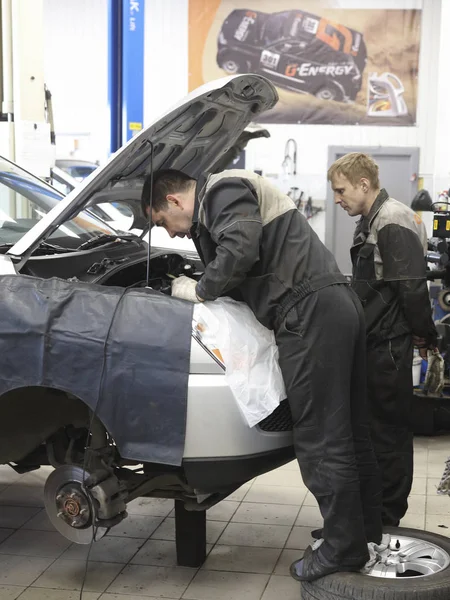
<point>222,39</point>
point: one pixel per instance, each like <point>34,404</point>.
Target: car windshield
<point>25,199</point>
<point>275,27</point>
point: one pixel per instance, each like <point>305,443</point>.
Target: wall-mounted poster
<point>330,66</point>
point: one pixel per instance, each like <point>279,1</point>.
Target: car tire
<point>329,92</point>
<point>349,586</point>
<point>233,65</point>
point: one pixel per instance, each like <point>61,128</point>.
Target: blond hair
<point>355,166</point>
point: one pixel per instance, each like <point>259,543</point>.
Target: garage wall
<point>76,72</point>
<point>167,69</point>
<point>313,140</point>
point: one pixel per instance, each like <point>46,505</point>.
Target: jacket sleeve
<point>404,268</point>
<point>233,219</point>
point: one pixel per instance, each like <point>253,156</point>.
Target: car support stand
<point>190,536</point>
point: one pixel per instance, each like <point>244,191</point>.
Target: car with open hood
<point>146,390</point>
<point>105,378</point>
<point>296,50</point>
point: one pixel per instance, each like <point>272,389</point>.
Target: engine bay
<point>163,269</point>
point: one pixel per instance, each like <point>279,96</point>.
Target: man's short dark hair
<point>165,181</point>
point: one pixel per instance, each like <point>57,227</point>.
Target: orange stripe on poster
<point>201,17</point>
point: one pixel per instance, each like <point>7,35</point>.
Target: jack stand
<point>190,536</point>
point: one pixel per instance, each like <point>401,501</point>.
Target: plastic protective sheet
<point>125,353</point>
<point>249,352</point>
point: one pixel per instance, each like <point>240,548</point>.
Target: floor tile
<point>21,570</point>
<point>419,486</point>
<point>155,507</point>
<point>439,456</point>
<point>414,521</point>
<point>438,505</point>
<point>282,587</point>
<point>23,495</point>
<point>290,466</point>
<point>208,585</point>
<point>309,516</point>
<point>262,536</point>
<point>137,526</point>
<point>48,594</point>
<point>432,484</point>
<point>240,493</point>
<point>222,511</point>
<point>45,544</point>
<point>168,582</point>
<point>108,596</point>
<point>310,500</point>
<point>300,538</point>
<point>40,522</point>
<point>244,559</point>
<point>109,549</point>
<point>421,442</point>
<point>271,494</point>
<point>14,517</point>
<point>421,470</point>
<point>287,557</point>
<point>166,531</point>
<point>10,592</point>
<point>438,524</point>
<point>37,477</point>
<point>157,553</point>
<point>281,478</point>
<point>160,553</point>
<point>5,533</point>
<point>267,514</point>
<point>416,505</point>
<point>8,475</point>
<point>68,575</point>
<point>435,470</point>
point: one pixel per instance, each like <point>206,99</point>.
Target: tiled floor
<point>253,536</point>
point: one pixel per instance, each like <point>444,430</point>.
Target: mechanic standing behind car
<point>389,276</point>
<point>254,242</point>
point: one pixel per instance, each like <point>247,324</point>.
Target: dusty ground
<point>392,38</point>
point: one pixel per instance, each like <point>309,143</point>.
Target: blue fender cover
<point>124,352</point>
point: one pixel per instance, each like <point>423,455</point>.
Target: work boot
<point>310,568</point>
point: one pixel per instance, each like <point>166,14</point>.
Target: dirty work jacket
<point>389,272</point>
<point>253,239</point>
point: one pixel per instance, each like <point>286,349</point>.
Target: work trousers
<point>322,355</point>
<point>390,390</point>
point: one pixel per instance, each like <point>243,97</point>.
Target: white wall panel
<point>76,55</point>
<point>76,71</point>
<point>166,55</point>
<point>442,161</point>
<point>313,140</point>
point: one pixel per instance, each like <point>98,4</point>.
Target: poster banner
<point>330,66</point>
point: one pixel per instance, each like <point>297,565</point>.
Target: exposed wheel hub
<point>70,506</point>
<point>73,505</point>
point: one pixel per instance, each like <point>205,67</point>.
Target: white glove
<point>374,552</point>
<point>184,287</point>
<point>434,378</point>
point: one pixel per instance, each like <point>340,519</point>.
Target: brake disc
<point>69,505</point>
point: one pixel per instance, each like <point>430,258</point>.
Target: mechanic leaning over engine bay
<point>389,276</point>
<point>259,248</point>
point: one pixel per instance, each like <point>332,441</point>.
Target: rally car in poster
<point>295,50</point>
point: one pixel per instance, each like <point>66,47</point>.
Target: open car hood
<point>192,136</point>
